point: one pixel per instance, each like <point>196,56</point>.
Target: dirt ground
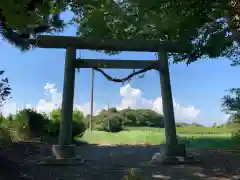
<point>113,162</point>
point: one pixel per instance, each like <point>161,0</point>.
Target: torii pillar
<point>171,150</point>
<point>64,151</point>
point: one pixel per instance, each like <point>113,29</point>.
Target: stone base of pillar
<point>60,152</point>
<point>62,155</point>
<point>173,155</point>
<point>173,150</point>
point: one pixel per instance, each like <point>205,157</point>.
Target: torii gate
<point>64,151</point>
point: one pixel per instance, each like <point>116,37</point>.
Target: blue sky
<point>198,87</point>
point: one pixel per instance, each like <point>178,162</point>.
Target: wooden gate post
<point>64,152</point>
<point>65,149</point>
<point>172,148</point>
<point>167,100</point>
<point>65,136</point>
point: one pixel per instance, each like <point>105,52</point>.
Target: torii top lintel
<point>45,41</point>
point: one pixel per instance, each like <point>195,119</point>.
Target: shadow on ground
<point>113,162</point>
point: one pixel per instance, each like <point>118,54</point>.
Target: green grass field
<point>192,137</point>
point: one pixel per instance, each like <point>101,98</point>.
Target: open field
<point>202,138</point>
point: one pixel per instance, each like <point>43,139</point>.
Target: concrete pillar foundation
<point>62,155</point>
<point>173,155</point>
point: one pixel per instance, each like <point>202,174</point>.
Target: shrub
<point>19,126</point>
<point>236,134</point>
<point>53,128</point>
<point>113,123</point>
<point>10,118</point>
<point>2,118</point>
<point>29,124</point>
<point>78,126</point>
<point>112,110</point>
<point>5,137</point>
<point>78,129</point>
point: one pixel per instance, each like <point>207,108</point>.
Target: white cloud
<point>56,101</point>
<point>133,98</point>
<point>224,118</point>
<point>45,106</point>
<point>28,106</point>
<point>9,108</point>
<point>49,86</point>
<point>85,108</point>
<point>130,97</point>
<point>52,99</point>
<point>182,113</point>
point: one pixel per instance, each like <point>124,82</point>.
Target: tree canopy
<point>211,27</point>
<point>23,20</point>
<point>231,102</point>
<point>5,90</point>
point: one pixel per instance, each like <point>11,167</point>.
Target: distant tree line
<point>231,106</point>
<point>113,120</point>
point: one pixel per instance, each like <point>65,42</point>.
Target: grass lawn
<point>154,136</point>
<point>124,137</point>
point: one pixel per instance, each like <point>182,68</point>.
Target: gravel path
<point>113,162</point>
